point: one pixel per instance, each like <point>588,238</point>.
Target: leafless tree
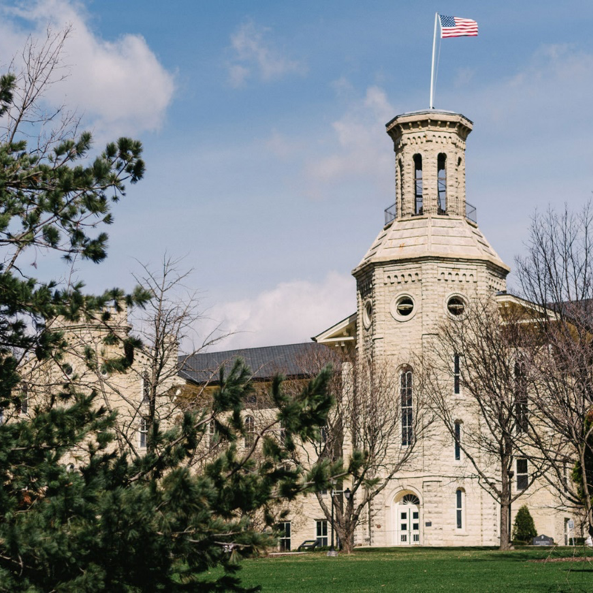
<point>38,67</point>
<point>151,391</point>
<point>478,384</point>
<point>372,433</point>
<point>556,275</point>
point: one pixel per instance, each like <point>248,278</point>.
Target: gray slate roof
<point>292,360</point>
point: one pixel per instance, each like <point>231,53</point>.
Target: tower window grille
<point>418,186</point>
<point>442,183</point>
<point>401,187</point>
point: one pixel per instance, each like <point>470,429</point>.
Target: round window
<point>403,307</point>
<point>456,306</point>
<point>367,315</point>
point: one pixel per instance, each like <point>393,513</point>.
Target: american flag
<point>453,26</point>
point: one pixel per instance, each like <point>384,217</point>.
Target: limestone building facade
<point>427,262</point>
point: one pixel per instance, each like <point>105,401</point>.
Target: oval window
<point>456,306</point>
<point>367,316</point>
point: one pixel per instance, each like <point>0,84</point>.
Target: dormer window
<point>442,183</point>
<point>418,208</point>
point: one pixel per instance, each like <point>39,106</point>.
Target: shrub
<point>524,528</point>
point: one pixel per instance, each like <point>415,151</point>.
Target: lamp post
<point>347,494</point>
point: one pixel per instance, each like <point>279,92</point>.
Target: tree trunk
<point>346,536</point>
<point>505,509</point>
<point>505,525</point>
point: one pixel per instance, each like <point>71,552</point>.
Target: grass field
<point>425,569</point>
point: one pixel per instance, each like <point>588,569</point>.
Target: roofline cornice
<point>498,265</point>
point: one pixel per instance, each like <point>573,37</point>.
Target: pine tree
<point>116,523</point>
<point>524,528</point>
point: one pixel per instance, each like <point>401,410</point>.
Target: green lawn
<point>424,569</point>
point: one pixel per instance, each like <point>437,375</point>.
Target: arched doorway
<point>407,520</point>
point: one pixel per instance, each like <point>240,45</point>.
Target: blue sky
<point>268,167</point>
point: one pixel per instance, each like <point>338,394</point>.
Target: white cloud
<point>119,87</point>
<point>358,146</point>
<point>254,55</point>
<point>289,313</point>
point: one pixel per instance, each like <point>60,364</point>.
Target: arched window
<point>411,499</point>
<point>521,410</point>
<point>214,435</point>
<point>457,440</point>
<point>459,500</point>
<point>406,394</point>
<point>418,184</point>
<point>456,374</point>
<point>143,432</point>
<point>24,400</point>
<point>249,431</point>
<point>145,387</point>
<point>401,187</point>
<point>442,182</point>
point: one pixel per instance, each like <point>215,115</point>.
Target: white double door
<point>407,524</point>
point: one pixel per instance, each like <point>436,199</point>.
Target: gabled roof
<point>339,334</point>
<point>291,360</point>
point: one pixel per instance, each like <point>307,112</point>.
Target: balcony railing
<point>390,214</point>
<point>470,213</point>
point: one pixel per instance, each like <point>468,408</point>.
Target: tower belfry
<point>430,257</point>
<point>430,163</point>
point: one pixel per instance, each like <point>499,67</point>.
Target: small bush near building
<point>524,528</point>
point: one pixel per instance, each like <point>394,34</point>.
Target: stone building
<point>427,261</point>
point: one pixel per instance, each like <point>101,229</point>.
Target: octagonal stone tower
<point>430,257</point>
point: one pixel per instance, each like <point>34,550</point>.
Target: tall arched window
<point>249,431</point>
<point>143,433</point>
<point>145,387</point>
<point>442,182</point>
<point>456,374</point>
<point>24,399</point>
<point>521,410</point>
<point>457,440</point>
<point>459,496</point>
<point>406,394</point>
<point>418,207</point>
<point>401,187</point>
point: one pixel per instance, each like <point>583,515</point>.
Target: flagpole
<point>434,43</point>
